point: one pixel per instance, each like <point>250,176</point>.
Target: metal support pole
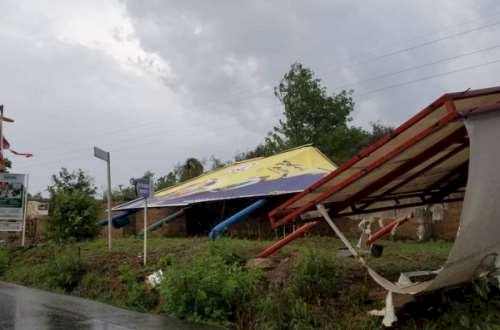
<point>2,165</point>
<point>105,155</point>
<point>25,210</point>
<point>145,229</point>
<point>337,231</point>
<point>109,203</point>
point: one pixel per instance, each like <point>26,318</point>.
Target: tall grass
<point>213,287</point>
<point>4,260</point>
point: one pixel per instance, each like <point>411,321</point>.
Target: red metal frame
<point>287,214</point>
<point>287,239</point>
<point>362,154</point>
<point>403,168</point>
<point>419,172</point>
<point>450,116</point>
<point>460,170</point>
<point>385,230</point>
<point>446,99</point>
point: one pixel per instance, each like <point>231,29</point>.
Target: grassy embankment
<point>305,286</point>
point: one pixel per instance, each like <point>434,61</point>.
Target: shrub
<point>64,272</point>
<point>4,260</point>
<point>73,216</point>
<point>226,249</point>
<point>137,297</point>
<point>316,276</point>
<point>208,289</point>
<point>280,309</point>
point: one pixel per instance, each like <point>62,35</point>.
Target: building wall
<point>441,223</point>
<point>176,228</point>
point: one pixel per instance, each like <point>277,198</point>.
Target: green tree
<point>215,163</point>
<point>73,209</point>
<point>262,150</point>
<point>166,181</point>
<point>312,116</point>
<point>128,193</point>
<point>66,181</point>
<point>191,168</point>
<point>123,194</point>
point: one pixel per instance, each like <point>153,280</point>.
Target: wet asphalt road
<point>26,308</point>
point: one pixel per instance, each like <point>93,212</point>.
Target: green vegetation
<point>73,216</point>
<point>64,272</point>
<point>138,296</point>
<point>210,288</point>
<point>313,116</point>
<point>4,260</point>
<point>305,286</point>
<point>73,208</point>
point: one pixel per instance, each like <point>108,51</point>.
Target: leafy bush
<point>73,216</point>
<point>281,309</point>
<point>316,276</point>
<point>137,297</point>
<point>64,272</point>
<point>4,260</point>
<point>208,289</point>
<point>95,284</point>
<point>229,252</point>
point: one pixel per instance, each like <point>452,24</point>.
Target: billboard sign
<point>12,190</point>
<point>284,173</point>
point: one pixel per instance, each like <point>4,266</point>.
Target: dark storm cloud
<point>159,81</point>
<point>204,40</point>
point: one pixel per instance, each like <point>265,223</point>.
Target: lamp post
<point>104,155</point>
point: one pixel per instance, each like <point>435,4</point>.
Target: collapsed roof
<point>284,173</point>
<point>423,161</point>
<point>450,144</point>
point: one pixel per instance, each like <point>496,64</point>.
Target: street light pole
<point>104,155</point>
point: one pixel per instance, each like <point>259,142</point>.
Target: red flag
<point>25,154</point>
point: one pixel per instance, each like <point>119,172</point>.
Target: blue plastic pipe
<point>236,218</point>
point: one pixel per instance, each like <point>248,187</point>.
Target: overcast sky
<point>158,81</point>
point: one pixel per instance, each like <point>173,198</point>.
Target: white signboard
<point>12,190</point>
<point>6,225</point>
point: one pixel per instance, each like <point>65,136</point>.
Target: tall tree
<point>312,116</point>
<point>191,168</point>
<point>66,181</point>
